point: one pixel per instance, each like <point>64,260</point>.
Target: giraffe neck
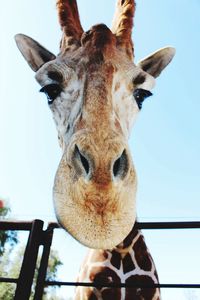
<point>130,262</point>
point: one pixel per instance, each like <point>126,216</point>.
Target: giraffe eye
<point>140,95</point>
<point>52,91</point>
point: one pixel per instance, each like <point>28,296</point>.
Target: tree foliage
<point>10,267</point>
<point>11,261</point>
<point>6,237</point>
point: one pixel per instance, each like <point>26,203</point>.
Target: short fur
<point>70,22</point>
<point>123,23</point>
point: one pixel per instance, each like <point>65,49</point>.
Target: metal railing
<point>37,237</point>
<point>40,237</point>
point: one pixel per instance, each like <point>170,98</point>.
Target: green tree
<point>8,238</point>
<point>10,267</point>
<point>11,260</point>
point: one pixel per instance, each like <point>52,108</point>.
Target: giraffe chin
<point>92,230</point>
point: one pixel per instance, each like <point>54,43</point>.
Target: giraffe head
<point>95,91</point>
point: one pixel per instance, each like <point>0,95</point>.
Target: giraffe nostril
<point>82,159</point>
<point>120,166</point>
<point>116,167</point>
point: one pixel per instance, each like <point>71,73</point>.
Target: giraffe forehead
<point>99,39</point>
<point>97,46</point>
<point>63,70</point>
<point>97,53</point>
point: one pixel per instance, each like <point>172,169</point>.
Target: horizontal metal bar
<point>15,225</point>
<point>8,280</point>
<point>54,225</point>
<point>22,225</point>
<point>167,225</point>
<point>155,225</point>
<point>92,284</point>
<point>125,285</point>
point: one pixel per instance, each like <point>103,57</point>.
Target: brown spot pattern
<point>128,264</point>
<point>116,259</point>
<point>142,255</point>
<point>103,276</point>
<point>139,293</point>
<point>129,239</point>
<point>111,294</point>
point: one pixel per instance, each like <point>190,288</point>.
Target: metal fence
<point>43,237</point>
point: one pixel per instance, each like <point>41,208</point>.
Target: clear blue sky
<point>165,141</point>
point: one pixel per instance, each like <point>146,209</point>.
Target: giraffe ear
<point>155,63</point>
<point>35,54</point>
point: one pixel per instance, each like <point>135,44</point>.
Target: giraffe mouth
<point>98,216</point>
<point>93,230</point>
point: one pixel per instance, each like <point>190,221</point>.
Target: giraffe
<point>95,92</point>
<point>130,262</point>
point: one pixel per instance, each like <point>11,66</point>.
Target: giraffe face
<point>95,92</point>
<point>94,110</point>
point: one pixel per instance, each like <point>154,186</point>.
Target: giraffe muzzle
<point>114,170</point>
<point>94,192</point>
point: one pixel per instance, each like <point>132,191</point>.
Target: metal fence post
<point>27,271</point>
<point>47,240</point>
